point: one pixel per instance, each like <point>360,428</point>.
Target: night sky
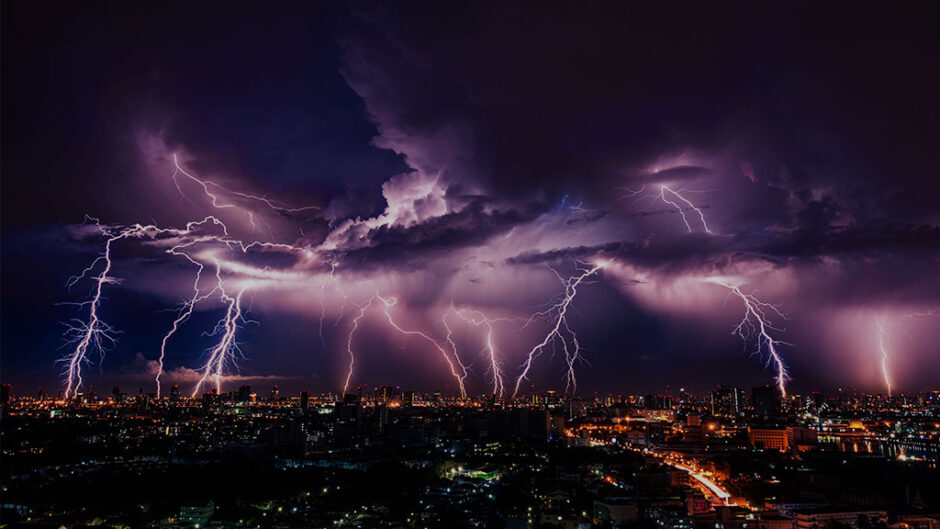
<point>467,160</point>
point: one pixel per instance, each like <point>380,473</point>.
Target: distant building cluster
<point>388,457</point>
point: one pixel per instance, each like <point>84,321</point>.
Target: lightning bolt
<point>187,309</point>
<point>96,333</point>
<point>478,319</point>
<point>208,185</point>
<point>689,205</point>
<point>225,350</point>
<point>672,197</point>
<point>883,347</point>
<point>457,369</point>
<point>560,331</point>
<point>884,344</point>
<point>349,340</point>
<point>756,324</point>
<point>331,278</point>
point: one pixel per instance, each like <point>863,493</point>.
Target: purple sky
<point>486,197</point>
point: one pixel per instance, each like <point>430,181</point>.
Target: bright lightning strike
<point>479,319</point>
<point>208,185</point>
<point>224,351</point>
<point>675,199</point>
<point>756,324</point>
<point>331,278</point>
<point>560,331</point>
<point>883,347</point>
<point>689,205</point>
<point>187,309</point>
<point>457,369</point>
<point>95,333</point>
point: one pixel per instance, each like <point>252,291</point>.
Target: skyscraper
<point>726,401</point>
<point>766,401</point>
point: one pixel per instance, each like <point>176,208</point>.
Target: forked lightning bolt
<point>457,369</point>
<point>675,199</point>
<point>216,201</point>
<point>560,331</point>
<point>94,333</point>
<point>478,319</point>
<point>188,306</point>
<point>225,350</point>
<point>664,189</point>
<point>331,278</point>
<point>757,324</point>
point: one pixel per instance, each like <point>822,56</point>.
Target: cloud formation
<point>684,151</point>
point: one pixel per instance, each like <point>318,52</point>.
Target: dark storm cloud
<point>470,226</point>
<point>672,174</point>
<point>696,252</point>
<point>504,135</point>
<point>573,253</point>
<point>584,98</point>
<point>910,242</point>
<point>539,97</point>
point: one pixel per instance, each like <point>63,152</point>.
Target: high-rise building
<point>175,393</point>
<point>658,402</point>
<point>244,393</point>
<point>349,410</point>
<point>726,401</point>
<point>384,394</point>
<point>664,402</point>
<point>275,394</point>
<point>304,401</point>
<point>765,400</point>
<point>210,400</point>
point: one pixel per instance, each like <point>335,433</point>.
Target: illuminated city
<point>445,265</point>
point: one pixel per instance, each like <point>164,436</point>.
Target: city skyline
<point>502,264</point>
<point>469,200</point>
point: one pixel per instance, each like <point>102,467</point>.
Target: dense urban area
<point>388,458</point>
